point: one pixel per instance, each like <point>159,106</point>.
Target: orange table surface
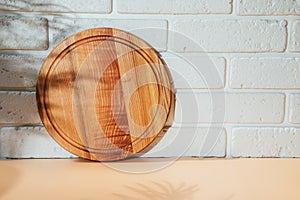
<point>193,178</point>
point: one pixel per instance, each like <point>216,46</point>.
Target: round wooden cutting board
<point>105,94</point>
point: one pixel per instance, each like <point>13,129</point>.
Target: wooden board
<point>105,94</point>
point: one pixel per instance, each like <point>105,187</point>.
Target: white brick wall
<point>29,142</point>
<point>23,33</point>
<point>266,73</point>
<point>18,108</point>
<point>273,7</point>
<point>174,6</point>
<point>235,65</point>
<point>265,142</point>
<point>57,6</point>
<point>294,109</point>
<point>19,71</point>
<point>186,141</point>
<point>229,35</point>
<point>229,108</point>
<point>149,29</point>
<point>295,36</point>
<point>196,71</point>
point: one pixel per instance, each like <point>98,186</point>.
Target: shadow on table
<point>158,190</point>
<point>8,178</point>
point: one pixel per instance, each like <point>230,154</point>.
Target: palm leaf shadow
<point>158,190</point>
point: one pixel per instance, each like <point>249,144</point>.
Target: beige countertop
<point>208,179</point>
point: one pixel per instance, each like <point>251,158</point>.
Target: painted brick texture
<point>152,31</point>
<point>57,6</point>
<point>188,141</point>
<point>174,6</point>
<point>196,71</point>
<point>35,142</point>
<point>19,71</point>
<point>268,73</point>
<point>23,33</point>
<point>274,7</point>
<point>295,37</point>
<point>229,35</point>
<point>266,142</point>
<point>18,108</point>
<point>249,108</point>
<point>294,109</point>
<point>29,142</point>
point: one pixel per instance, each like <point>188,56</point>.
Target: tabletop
<point>147,178</point>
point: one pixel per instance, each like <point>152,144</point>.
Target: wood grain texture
<point>105,94</point>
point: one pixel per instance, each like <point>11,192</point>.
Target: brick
<point>294,44</point>
<point>294,109</point>
<point>18,108</point>
<point>218,107</point>
<point>49,6</point>
<point>274,7</point>
<point>23,33</point>
<point>29,142</point>
<point>149,30</point>
<point>228,35</point>
<point>174,6</point>
<point>269,73</point>
<point>196,71</point>
<point>34,142</point>
<point>19,71</point>
<point>265,142</point>
<point>191,141</point>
